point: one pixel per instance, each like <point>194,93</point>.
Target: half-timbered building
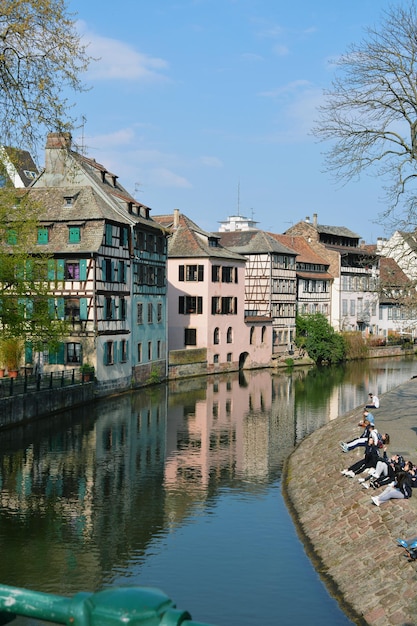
<point>108,260</point>
<point>270,282</point>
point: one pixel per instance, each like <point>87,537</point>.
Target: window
<point>223,306</point>
<point>344,307</point>
<point>159,312</point>
<point>229,337</point>
<point>229,274</point>
<point>229,357</point>
<point>107,269</point>
<point>73,352</point>
<point>251,335</point>
<point>352,307</point>
<point>191,272</point>
<point>139,313</point>
<point>74,234</point>
<point>149,350</point>
<point>123,236</point>
<point>190,336</point>
<point>108,353</point>
<point>43,235</point>
<point>72,270</point>
<point>215,359</point>
<point>72,308</point>
<point>158,349</point>
<point>122,308</point>
<point>139,352</point>
<point>108,308</point>
<point>190,304</point>
<point>216,336</point>
<point>123,351</point>
<point>150,313</point>
<point>215,273</point>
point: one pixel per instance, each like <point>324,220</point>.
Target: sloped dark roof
<point>340,231</point>
<point>23,163</point>
<point>391,274</point>
<point>188,240</point>
<point>254,242</point>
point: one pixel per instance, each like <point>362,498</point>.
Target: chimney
<point>57,145</point>
<point>315,220</point>
<point>308,219</point>
<point>176,218</point>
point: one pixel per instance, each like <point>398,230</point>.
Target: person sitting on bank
<point>373,402</point>
<point>369,431</point>
<point>367,418</point>
<point>400,490</point>
<point>370,459</point>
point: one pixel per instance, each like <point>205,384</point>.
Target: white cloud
<point>280,50</point>
<point>211,161</point>
<point>165,178</point>
<point>290,88</point>
<point>117,60</point>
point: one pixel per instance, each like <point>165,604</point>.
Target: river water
<point>179,487</point>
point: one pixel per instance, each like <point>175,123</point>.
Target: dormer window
<point>29,174</point>
<point>69,201</point>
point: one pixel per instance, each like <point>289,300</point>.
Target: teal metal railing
<point>117,606</point>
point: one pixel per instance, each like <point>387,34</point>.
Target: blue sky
<point>207,106</point>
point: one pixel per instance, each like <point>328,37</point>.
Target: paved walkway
<point>350,540</point>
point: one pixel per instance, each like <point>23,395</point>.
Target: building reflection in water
<point>84,495</point>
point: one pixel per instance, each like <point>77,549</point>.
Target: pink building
<point>207,329</point>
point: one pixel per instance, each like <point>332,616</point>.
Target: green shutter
<point>51,269</point>
<point>83,269</point>
<point>42,235</point>
<point>74,234</point>
<point>28,352</point>
<point>12,237</point>
<point>29,308</point>
<point>83,309</point>
<point>60,306</point>
<point>29,269</point>
<point>51,308</point>
<point>60,272</point>
<point>109,235</point>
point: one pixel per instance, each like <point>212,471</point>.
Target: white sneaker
<point>361,480</point>
<point>350,474</point>
<point>375,500</point>
<point>365,485</point>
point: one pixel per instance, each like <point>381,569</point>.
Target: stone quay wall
<point>352,542</point>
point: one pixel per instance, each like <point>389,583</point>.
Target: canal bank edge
<point>352,542</point>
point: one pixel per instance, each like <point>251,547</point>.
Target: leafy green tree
<point>370,113</point>
<point>26,307</point>
<point>41,60</point>
<point>322,344</point>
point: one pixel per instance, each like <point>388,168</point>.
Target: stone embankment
<point>351,541</point>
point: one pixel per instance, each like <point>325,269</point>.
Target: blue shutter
<point>83,309</point>
<point>83,269</point>
<point>103,268</point>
